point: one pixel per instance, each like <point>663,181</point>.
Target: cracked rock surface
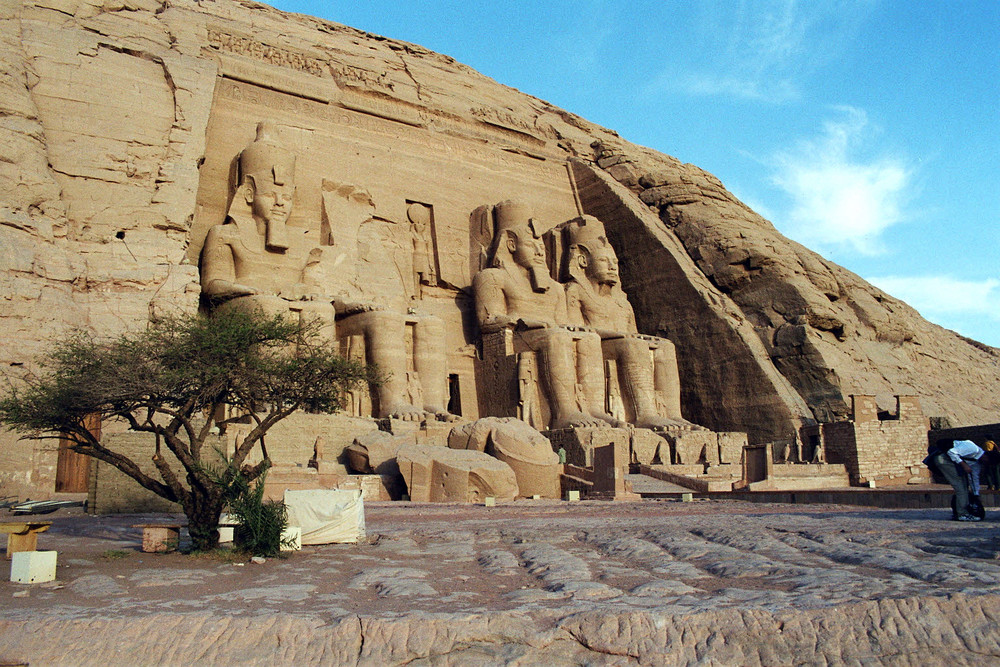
<point>655,582</point>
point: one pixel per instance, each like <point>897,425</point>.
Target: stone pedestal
<point>160,539</point>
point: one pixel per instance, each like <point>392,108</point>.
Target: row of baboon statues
<point>573,326</point>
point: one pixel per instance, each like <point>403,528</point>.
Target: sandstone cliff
<point>104,109</point>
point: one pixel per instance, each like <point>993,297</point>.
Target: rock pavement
<point>532,582</point>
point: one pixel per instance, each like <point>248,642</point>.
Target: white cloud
<point>750,87</point>
<point>945,299</point>
<point>761,49</point>
<point>839,198</point>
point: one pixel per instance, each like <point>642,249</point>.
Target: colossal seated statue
<point>252,260</point>
<point>247,261</point>
<point>646,365</point>
<point>384,335</point>
<point>517,292</point>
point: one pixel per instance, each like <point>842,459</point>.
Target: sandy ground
<point>541,558</point>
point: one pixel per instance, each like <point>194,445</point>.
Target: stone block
<point>724,471</point>
<point>525,450</point>
<point>441,474</point>
<point>160,538</point>
<point>580,442</point>
<point>646,447</point>
<point>433,432</point>
<point>611,464</point>
<point>731,444</point>
<point>33,567</point>
<point>690,446</point>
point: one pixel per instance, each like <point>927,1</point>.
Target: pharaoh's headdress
<point>583,233</point>
<point>486,232</point>
<point>267,162</point>
<point>266,158</point>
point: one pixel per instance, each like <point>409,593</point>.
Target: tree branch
<point>276,415</point>
<point>127,466</point>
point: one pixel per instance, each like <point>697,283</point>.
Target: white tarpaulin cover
<point>327,516</point>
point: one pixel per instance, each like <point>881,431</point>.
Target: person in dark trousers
<point>956,460</point>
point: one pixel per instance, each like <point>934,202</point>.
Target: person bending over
<point>957,460</point>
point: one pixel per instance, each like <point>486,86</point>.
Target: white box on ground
<point>291,538</point>
<point>33,567</point>
<point>327,516</point>
<point>226,528</point>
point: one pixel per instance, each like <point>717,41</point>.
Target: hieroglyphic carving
<point>252,48</point>
<point>235,91</point>
<point>509,127</point>
<point>393,129</point>
<point>294,83</point>
<point>351,75</point>
<point>501,119</point>
<point>381,108</point>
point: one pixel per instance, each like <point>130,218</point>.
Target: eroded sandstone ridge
<point>121,123</point>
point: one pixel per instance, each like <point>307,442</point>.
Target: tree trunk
<point>203,511</point>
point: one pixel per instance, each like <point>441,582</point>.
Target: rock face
<point>122,123</point>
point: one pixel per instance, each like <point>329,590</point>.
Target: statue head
<point>516,238</point>
<point>516,234</point>
<point>590,254</point>
<point>266,183</point>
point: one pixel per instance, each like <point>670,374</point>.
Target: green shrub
<point>260,522</point>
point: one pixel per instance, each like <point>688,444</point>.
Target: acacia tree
<point>176,380</point>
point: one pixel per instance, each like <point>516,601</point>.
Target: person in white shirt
<point>966,455</point>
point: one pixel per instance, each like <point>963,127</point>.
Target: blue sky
<point>868,130</point>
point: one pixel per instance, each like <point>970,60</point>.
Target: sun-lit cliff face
<point>122,120</point>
